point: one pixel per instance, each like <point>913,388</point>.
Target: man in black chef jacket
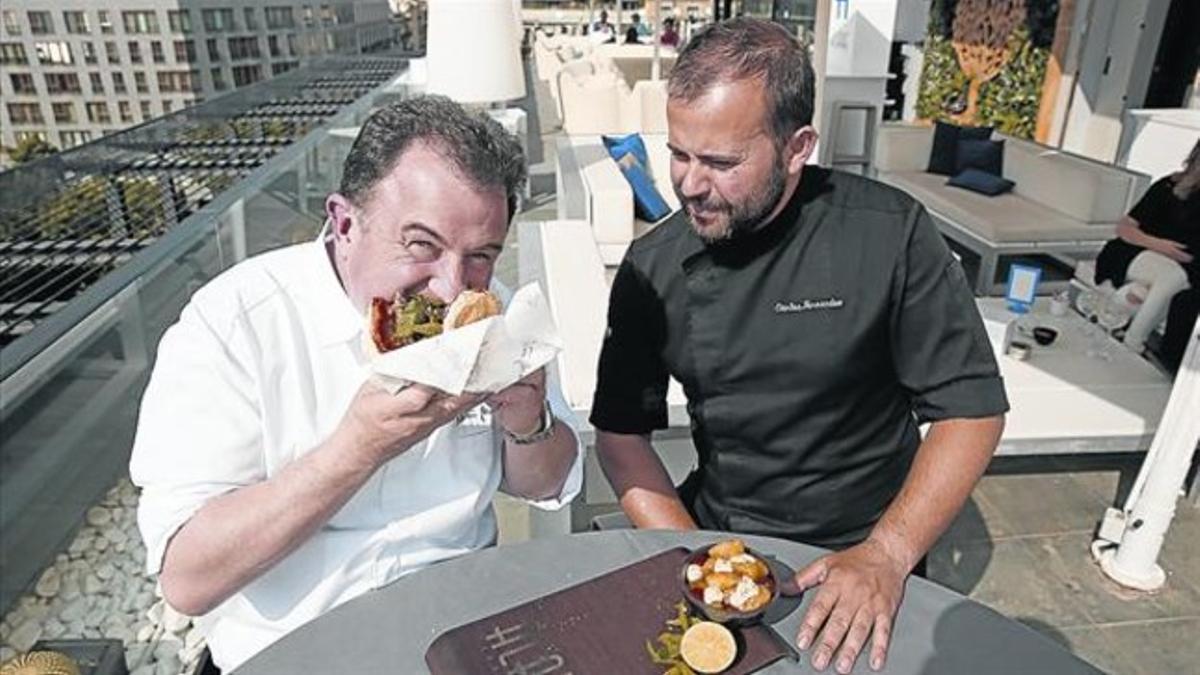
<point>814,319</point>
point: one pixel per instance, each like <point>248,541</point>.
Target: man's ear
<point>801,145</point>
<point>340,212</point>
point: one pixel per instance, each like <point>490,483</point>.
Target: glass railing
<point>72,381</point>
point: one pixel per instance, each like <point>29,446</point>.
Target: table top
<point>389,630</point>
<point>1063,393</point>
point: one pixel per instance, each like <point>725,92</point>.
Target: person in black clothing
<point>1157,246</point>
<point>814,319</point>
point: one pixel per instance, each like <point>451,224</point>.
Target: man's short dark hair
<point>744,48</point>
<point>476,145</point>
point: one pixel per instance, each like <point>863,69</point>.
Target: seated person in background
<point>1156,246</point>
<point>277,480</point>
<point>633,34</point>
<point>1185,307</point>
<point>669,37</point>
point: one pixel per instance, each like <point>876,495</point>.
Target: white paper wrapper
<point>481,357</point>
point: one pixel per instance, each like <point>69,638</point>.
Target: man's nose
<point>450,279</point>
<point>694,182</point>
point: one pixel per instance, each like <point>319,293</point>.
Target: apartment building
<point>74,70</point>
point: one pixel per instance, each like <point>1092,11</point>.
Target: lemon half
<point>708,647</point>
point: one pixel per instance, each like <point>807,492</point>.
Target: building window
<point>214,51</point>
<point>62,83</point>
<point>113,54</point>
<point>308,16</point>
<point>218,79</point>
<point>145,109</point>
<point>118,83</point>
<point>54,53</point>
<point>244,75</point>
<point>22,83</point>
<point>185,51</point>
<point>283,66</point>
<point>273,45</point>
<point>180,20</point>
<point>167,106</point>
<point>344,14</point>
<point>292,49</point>
<point>139,81</point>
<point>243,48</point>
<point>177,81</point>
<point>71,139</point>
<point>280,17</point>
<point>63,112</point>
<point>125,110</point>
<point>12,53</point>
<point>326,15</point>
<point>156,52</point>
<point>76,22</point>
<point>25,113</point>
<point>218,20</point>
<point>97,83</point>
<point>105,24</point>
<point>135,52</point>
<point>251,15</point>
<point>40,23</point>
<point>89,52</point>
<point>12,22</point>
<point>140,23</point>
<point>97,112</point>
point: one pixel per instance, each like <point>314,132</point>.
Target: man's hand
<point>379,426</point>
<point>518,409</point>
<point>1175,251</point>
<point>859,591</point>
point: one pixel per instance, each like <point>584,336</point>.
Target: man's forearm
<point>642,484</point>
<point>238,536</point>
<point>953,456</point>
<point>539,470</point>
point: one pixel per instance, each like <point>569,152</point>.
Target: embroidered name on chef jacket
<point>808,305</point>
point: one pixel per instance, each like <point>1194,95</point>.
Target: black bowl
<point>1044,335</point>
<point>724,615</point>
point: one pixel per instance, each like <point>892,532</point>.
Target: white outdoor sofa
<point>1063,205</point>
<point>592,188</point>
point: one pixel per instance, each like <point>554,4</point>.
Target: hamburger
<point>403,321</point>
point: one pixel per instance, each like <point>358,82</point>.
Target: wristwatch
<point>545,429</point>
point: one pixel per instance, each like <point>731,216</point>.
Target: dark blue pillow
<point>982,182</point>
<point>983,155</point>
<point>946,137</point>
<point>630,154</point>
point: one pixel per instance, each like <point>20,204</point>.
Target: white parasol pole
<point>1129,542</point>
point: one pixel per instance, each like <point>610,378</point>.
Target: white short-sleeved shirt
<point>258,371</point>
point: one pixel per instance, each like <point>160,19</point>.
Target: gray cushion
<point>1007,218</point>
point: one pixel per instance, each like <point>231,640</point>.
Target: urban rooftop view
<point>922,371</point>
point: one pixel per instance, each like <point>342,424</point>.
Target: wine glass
<point>1113,315</point>
<point>1088,302</point>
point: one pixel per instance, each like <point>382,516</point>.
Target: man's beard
<point>730,220</point>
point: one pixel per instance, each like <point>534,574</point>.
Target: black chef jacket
<point>809,350</point>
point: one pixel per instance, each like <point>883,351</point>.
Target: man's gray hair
<point>476,145</point>
<point>742,49</point>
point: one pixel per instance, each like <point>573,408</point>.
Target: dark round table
<point>389,630</point>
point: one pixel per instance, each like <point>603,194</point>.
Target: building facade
<point>74,70</point>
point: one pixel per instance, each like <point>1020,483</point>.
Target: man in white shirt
<point>277,480</point>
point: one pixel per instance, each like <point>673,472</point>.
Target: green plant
<point>1010,101</point>
<point>145,207</point>
<point>79,208</point>
<point>30,148</point>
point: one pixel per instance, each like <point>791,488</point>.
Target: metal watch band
<point>545,429</point>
